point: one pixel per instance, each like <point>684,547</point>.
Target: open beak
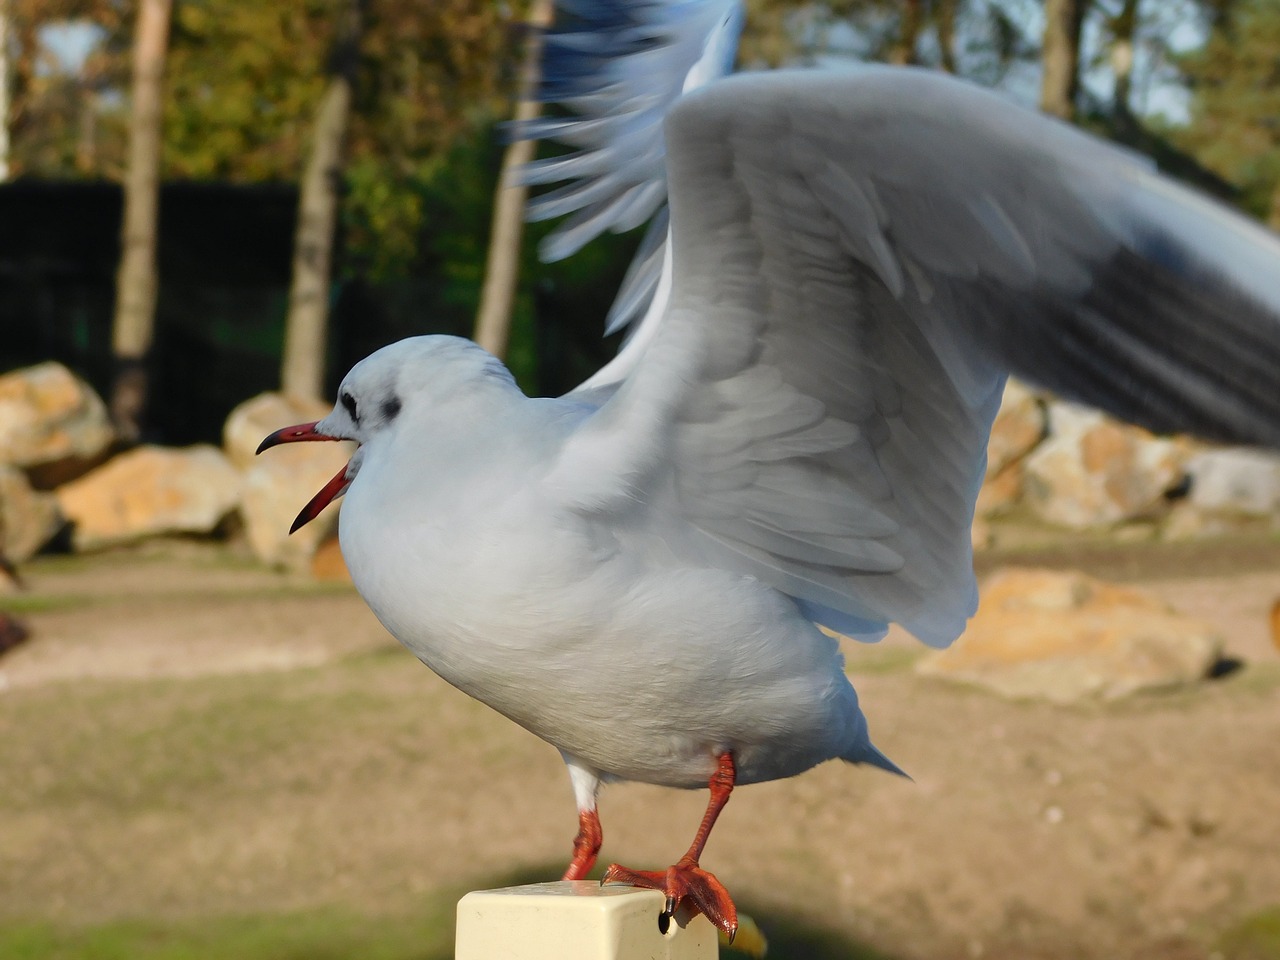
<point>330,491</point>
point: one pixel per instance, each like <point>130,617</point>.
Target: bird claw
<point>683,883</point>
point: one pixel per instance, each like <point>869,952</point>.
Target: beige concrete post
<point>576,920</point>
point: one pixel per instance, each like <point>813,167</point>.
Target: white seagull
<point>635,572</point>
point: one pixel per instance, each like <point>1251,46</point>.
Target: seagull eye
<point>349,402</point>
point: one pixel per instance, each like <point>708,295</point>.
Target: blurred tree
<point>1235,108</point>
<point>1063,25</point>
<point>4,90</point>
<point>253,84</point>
<point>134,321</point>
<point>502,264</point>
<point>244,82</point>
<point>246,78</point>
<point>56,123</point>
<point>306,324</point>
<point>979,39</point>
<point>1123,28</point>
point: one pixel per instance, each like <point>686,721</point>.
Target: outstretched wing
<point>617,66</point>
<point>859,258</point>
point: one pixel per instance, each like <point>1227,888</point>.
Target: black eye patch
<point>349,402</point>
<point>390,408</point>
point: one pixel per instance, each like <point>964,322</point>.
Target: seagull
<point>848,266</point>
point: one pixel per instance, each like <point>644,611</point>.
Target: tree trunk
<point>903,51</point>
<point>1122,30</point>
<point>502,268</point>
<point>946,19</point>
<point>135,309</point>
<point>4,90</point>
<point>1063,21</point>
<point>306,324</point>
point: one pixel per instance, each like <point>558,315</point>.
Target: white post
<point>577,920</point>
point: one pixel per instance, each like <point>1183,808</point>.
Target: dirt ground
<point>283,753</point>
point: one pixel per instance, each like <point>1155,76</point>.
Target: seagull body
<point>584,626</point>
<point>795,433</point>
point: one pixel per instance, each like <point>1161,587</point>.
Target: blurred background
<point>210,209</point>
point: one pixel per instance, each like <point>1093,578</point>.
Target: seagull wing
<point>617,66</point>
<point>859,258</point>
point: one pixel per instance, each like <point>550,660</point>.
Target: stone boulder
<point>52,424</point>
<point>150,491</point>
<point>1095,472</point>
<point>1065,637</point>
<point>278,483</point>
<point>29,519</point>
<point>254,419</point>
<point>1019,427</point>
<point>328,565</point>
<point>1237,481</point>
<point>1228,490</point>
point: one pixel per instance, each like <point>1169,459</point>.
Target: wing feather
<point>858,260</point>
<point>618,66</point>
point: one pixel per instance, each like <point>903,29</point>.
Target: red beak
<point>295,434</point>
<point>330,491</point>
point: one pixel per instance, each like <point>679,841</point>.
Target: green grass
<point>32,603</point>
<point>1256,937</point>
<point>27,603</point>
<point>1253,678</point>
<point>160,743</point>
<point>880,660</point>
<point>335,934</point>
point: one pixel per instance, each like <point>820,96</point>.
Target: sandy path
<point>1138,829</point>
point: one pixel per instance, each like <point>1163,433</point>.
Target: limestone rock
<point>1002,492</point>
<point>52,424</point>
<point>12,633</point>
<point>29,519</point>
<point>150,491</point>
<point>9,578</point>
<point>1237,481</point>
<point>1229,490</point>
<point>328,565</point>
<point>278,483</point>
<point>1064,637</point>
<point>254,419</point>
<point>1019,426</point>
<point>1093,471</point>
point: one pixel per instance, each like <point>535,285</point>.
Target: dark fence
<point>224,260</point>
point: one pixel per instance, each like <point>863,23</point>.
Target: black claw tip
<point>664,921</point>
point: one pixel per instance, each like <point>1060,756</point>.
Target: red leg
<point>685,879</point>
<point>586,845</point>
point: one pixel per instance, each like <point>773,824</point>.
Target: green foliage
<point>244,79</point>
<point>64,124</point>
<point>242,83</point>
<point>1235,81</point>
<point>382,216</point>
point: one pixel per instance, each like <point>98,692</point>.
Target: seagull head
<point>385,389</point>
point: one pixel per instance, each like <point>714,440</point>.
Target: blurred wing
<point>859,259</point>
<point>617,66</point>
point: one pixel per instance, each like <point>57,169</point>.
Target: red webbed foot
<point>684,883</point>
<point>685,880</point>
